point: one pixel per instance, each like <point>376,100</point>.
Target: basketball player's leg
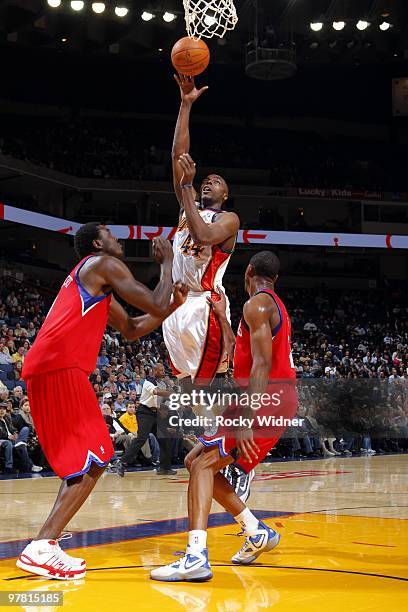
<point>194,566</point>
<point>223,493</point>
<point>76,441</point>
<point>72,494</point>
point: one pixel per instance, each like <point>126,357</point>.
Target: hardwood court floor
<point>344,540</point>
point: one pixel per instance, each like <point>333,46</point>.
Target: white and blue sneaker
<point>193,567</point>
<point>264,540</point>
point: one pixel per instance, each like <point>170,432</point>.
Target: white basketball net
<point>208,18</point>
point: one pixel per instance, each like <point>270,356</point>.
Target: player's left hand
<point>219,306</point>
<point>180,292</point>
<point>189,169</point>
<point>246,445</point>
<point>162,250</point>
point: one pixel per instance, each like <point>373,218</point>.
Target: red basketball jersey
<point>72,332</point>
<point>282,362</point>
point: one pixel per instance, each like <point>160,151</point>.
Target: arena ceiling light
<point>54,3</point>
<point>316,26</point>
<point>98,7</point>
<point>146,16</point>
<point>385,25</point>
<point>339,25</point>
<point>362,24</point>
<point>77,5</point>
<point>121,11</point>
<point>169,17</point>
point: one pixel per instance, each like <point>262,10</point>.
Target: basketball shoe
<point>46,558</point>
<point>239,480</point>
<point>193,567</point>
<point>264,540</point>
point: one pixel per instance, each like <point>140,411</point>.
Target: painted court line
<point>110,535</point>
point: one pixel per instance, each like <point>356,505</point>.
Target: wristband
<point>189,186</point>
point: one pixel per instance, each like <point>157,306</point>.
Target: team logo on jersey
<point>67,281</point>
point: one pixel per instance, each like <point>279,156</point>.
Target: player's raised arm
<point>132,328</point>
<point>181,143</point>
<point>224,227</point>
<point>117,275</point>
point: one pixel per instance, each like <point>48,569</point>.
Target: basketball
<point>190,56</point>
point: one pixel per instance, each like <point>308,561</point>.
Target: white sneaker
<point>36,468</point>
<point>74,560</point>
<point>45,558</point>
<point>328,453</point>
<point>264,540</point>
<point>371,451</point>
<point>193,567</point>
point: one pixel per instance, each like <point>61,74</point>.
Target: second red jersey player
<point>263,367</point>
<point>279,399</point>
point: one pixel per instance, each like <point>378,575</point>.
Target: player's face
<point>214,190</point>
<point>110,244</point>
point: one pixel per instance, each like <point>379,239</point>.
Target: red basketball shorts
<point>270,422</point>
<point>68,422</point>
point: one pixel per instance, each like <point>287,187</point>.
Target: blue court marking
<point>110,535</point>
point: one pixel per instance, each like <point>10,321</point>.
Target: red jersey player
<point>263,366</point>
<point>65,411</point>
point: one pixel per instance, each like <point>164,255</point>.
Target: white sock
<point>197,540</point>
<point>248,522</point>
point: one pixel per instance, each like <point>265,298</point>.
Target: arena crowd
<point>130,150</point>
<point>350,352</point>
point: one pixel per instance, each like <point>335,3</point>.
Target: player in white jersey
<point>202,246</point>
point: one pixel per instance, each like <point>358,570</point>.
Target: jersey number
<point>189,247</point>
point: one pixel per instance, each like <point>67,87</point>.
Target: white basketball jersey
<point>201,267</point>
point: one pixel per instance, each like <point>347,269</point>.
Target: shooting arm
<point>181,144</point>
<point>225,226</point>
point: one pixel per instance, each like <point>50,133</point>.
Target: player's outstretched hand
<point>246,445</point>
<point>188,91</point>
<point>180,292</point>
<point>189,169</point>
<point>219,306</point>
<point>162,250</point>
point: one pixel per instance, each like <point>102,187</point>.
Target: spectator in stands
<point>5,357</point>
<point>10,440</point>
<point>136,385</point>
<point>17,396</point>
<point>111,383</point>
<point>122,384</point>
<point>120,403</point>
<point>103,359</point>
<point>119,434</point>
<point>31,331</point>
<point>128,418</point>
